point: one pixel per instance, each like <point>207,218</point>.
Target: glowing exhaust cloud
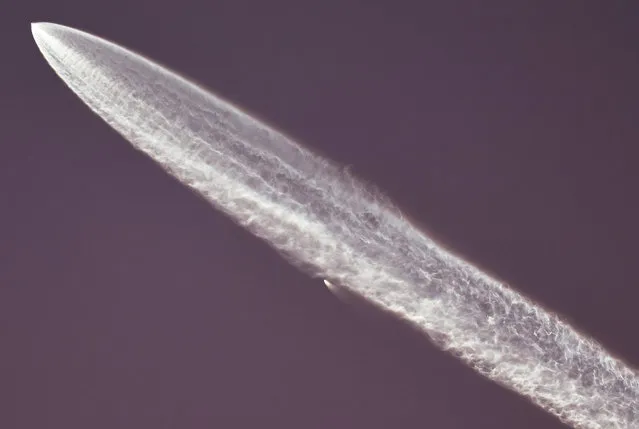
<point>332,226</point>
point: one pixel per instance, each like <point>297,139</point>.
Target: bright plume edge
<point>328,223</point>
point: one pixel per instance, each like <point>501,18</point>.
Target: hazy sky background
<point>507,130</point>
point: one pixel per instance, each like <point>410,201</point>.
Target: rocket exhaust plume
<point>332,226</point>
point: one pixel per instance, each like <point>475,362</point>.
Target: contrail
<point>334,227</point>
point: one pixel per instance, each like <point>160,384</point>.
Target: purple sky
<point>127,302</point>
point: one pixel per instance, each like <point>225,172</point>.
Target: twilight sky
<point>507,131</point>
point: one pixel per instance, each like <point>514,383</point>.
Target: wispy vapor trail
<point>331,225</point>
